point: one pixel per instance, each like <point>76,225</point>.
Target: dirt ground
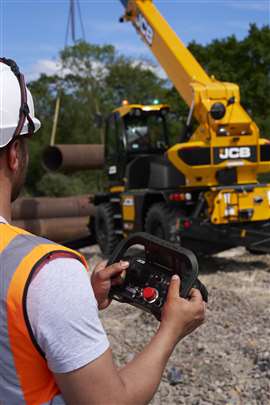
<point>226,361</point>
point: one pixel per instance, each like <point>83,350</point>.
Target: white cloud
<point>52,67</point>
<point>46,66</point>
<point>160,72</point>
<point>151,66</point>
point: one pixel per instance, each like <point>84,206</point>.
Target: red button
<point>149,293</point>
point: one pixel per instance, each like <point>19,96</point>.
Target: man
<point>53,347</point>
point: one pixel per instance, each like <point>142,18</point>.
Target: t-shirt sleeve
<point>63,315</point>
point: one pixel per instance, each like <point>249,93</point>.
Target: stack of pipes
<point>66,218</point>
<point>59,219</point>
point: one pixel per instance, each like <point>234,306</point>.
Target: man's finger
<point>195,295</point>
<point>100,266</point>
<point>174,287</point>
<point>118,280</point>
<point>113,270</point>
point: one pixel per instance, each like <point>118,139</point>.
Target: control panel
<point>148,276</point>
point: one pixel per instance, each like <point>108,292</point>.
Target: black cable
<point>72,24</point>
<point>81,20</point>
<point>67,29</point>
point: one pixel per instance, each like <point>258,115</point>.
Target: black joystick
<point>148,276</point>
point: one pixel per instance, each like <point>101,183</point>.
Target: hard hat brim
<point>5,132</point>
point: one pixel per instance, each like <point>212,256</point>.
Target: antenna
<point>71,28</point>
<point>74,7</point>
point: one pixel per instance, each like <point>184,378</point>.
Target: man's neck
<point>5,211</point>
<point>5,204</point>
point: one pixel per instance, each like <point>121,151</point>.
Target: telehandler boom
<point>202,191</point>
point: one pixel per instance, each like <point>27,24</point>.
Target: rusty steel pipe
<point>49,207</point>
<point>56,229</point>
<point>73,157</point>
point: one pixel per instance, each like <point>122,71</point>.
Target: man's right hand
<point>182,316</point>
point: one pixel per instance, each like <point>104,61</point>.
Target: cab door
<point>115,152</point>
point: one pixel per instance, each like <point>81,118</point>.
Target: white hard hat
<point>17,116</point>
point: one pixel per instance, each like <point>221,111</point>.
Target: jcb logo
<point>234,153</point>
<point>145,29</point>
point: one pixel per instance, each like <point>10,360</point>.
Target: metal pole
<point>55,121</point>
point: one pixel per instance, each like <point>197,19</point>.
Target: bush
<point>62,185</point>
<point>59,185</point>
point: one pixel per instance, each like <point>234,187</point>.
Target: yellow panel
<point>117,189</point>
<point>225,206</point>
<point>125,109</point>
<point>128,208</point>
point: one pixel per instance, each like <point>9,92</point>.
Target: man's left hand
<point>104,277</point>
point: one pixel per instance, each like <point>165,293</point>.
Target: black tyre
<point>161,221</point>
<point>105,229</point>
<point>256,252</point>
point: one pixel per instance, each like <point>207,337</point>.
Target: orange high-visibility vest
<point>24,374</point>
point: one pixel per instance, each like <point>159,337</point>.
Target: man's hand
<point>100,382</point>
<point>181,316</point>
<point>104,277</point>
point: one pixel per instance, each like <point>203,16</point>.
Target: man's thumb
<point>174,287</point>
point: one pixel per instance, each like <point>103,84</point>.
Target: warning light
<point>180,197</point>
<point>125,102</point>
<point>177,197</point>
<point>156,101</point>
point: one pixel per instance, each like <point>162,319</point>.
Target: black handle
<point>149,242</point>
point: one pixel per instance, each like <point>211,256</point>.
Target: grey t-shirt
<point>63,314</point>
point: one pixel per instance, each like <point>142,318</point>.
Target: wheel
<point>161,221</point>
<point>255,251</point>
<point>104,228</point>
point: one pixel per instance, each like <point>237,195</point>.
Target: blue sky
<point>32,32</point>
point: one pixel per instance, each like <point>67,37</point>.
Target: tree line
<point>95,79</point>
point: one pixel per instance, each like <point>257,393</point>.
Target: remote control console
<point>148,276</point>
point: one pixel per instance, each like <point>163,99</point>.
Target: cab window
<point>145,132</point>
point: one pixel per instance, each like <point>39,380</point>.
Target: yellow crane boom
<point>179,64</point>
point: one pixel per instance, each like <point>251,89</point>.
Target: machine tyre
<point>105,229</point>
<point>256,252</point>
<point>161,222</point>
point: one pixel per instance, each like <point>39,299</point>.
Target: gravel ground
<point>227,360</point>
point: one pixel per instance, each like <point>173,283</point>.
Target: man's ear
<point>13,156</point>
